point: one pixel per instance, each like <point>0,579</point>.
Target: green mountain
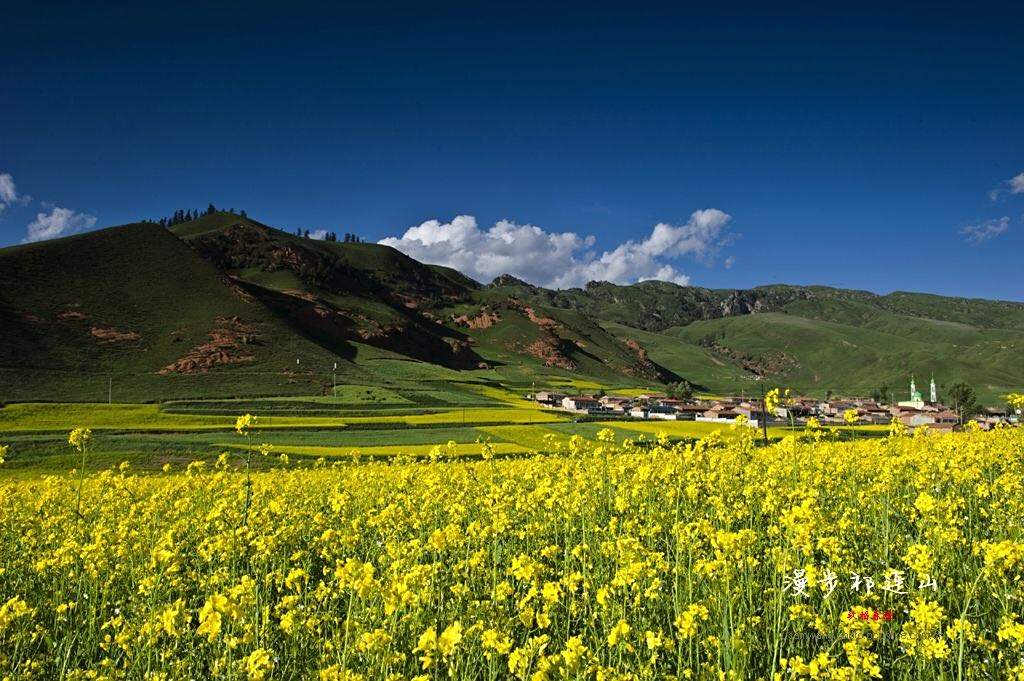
<point>135,307</point>
<point>227,306</point>
<point>811,338</point>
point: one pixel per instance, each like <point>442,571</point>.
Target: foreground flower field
<point>898,557</point>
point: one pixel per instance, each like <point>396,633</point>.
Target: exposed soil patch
<point>320,308</point>
<point>227,344</point>
<point>106,335</point>
<point>238,290</point>
<point>532,315</point>
<point>643,367</point>
<point>485,318</point>
<point>304,295</point>
<point>72,316</point>
<point>636,348</point>
<point>552,350</point>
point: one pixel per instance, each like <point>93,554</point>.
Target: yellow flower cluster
<point>714,559</point>
<point>80,438</point>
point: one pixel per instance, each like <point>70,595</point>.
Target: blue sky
<point>858,148</point>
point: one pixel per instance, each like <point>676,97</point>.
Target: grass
<point>469,416</point>
<point>147,435</point>
<point>33,453</point>
<point>55,293</point>
<point>22,417</point>
<point>458,449</point>
<point>855,352</point>
<point>682,429</point>
<point>532,437</point>
<point>47,416</point>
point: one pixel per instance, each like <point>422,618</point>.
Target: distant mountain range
<point>224,305</point>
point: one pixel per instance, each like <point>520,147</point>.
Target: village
<point>913,413</point>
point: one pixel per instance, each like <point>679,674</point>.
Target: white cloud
<point>729,262</point>
<point>1015,185</point>
<point>9,193</point>
<point>58,222</point>
<point>983,231</point>
<point>318,234</point>
<point>562,259</point>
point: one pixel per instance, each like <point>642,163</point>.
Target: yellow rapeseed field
<point>897,557</point>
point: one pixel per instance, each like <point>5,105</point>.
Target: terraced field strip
<point>575,383</point>
<point>348,397</point>
<point>500,395</point>
<point>469,417</point>
<point>703,428</point>
<point>40,416</point>
<point>459,449</point>
<point>675,428</point>
<point>46,417</point>
<point>529,436</point>
<point>634,392</point>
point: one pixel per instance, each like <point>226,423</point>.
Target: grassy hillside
<point>338,292</point>
<point>127,303</point>
<point>236,243</point>
<point>816,355</point>
<point>223,306</point>
<point>384,298</point>
<point>658,305</point>
<point>704,368</point>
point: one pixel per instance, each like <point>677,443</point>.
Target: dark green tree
<point>683,390</point>
<point>964,401</point>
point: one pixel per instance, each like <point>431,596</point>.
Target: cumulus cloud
<point>318,234</point>
<point>9,192</point>
<point>1015,185</point>
<point>983,231</point>
<point>563,259</point>
<point>58,222</point>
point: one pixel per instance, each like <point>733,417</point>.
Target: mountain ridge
<point>252,298</point>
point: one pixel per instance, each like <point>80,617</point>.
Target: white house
<point>580,403</point>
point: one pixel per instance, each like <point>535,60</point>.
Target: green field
<point>848,351</point>
<point>148,436</point>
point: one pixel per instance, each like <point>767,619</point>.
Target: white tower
<point>913,388</point>
<point>934,392</point>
